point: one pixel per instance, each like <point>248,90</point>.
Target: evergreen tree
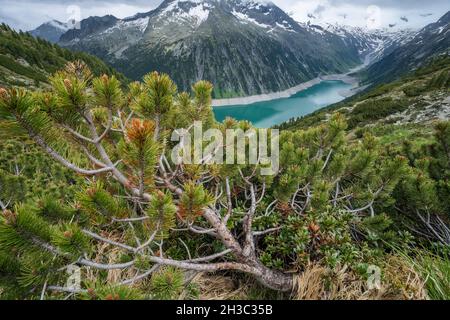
<point>135,204</point>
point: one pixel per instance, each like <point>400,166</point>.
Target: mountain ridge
<point>243,47</point>
<point>51,30</point>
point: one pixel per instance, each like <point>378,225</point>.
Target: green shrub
<point>372,110</point>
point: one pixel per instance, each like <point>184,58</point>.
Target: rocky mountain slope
<point>372,44</point>
<point>431,41</point>
<point>243,46</point>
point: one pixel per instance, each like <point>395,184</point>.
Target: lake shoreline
<point>345,77</point>
<point>266,114</point>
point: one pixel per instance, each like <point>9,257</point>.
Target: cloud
<point>397,4</point>
<point>28,14</point>
<point>360,12</point>
<point>319,9</point>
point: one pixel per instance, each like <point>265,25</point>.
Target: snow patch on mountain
<point>138,24</point>
<point>251,4</point>
<point>193,11</point>
<point>200,12</point>
<point>372,44</point>
<point>285,26</point>
<point>246,19</point>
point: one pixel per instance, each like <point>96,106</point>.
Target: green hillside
<point>27,62</point>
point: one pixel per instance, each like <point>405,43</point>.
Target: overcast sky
<point>28,14</point>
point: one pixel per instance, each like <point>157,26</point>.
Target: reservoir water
<point>268,113</point>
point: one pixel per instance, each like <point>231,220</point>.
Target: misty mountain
<point>51,30</point>
<point>431,41</point>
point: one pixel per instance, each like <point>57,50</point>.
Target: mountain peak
<point>51,30</point>
<point>445,18</point>
<point>193,13</point>
<point>57,24</point>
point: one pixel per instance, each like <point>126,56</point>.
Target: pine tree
<point>424,195</point>
<point>136,201</point>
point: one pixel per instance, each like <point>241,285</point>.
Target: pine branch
<point>249,246</point>
<point>55,155</point>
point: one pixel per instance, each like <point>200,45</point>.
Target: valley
<point>244,48</point>
<point>266,114</point>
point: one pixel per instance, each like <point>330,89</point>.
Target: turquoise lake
<point>268,113</point>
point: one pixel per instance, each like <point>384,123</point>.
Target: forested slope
<point>26,61</point>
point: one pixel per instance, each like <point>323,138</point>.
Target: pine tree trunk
<point>273,279</point>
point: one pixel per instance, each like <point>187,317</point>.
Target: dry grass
<point>214,287</point>
<point>319,283</point>
<point>399,282</point>
<point>309,284</point>
<point>112,255</point>
<point>405,281</point>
